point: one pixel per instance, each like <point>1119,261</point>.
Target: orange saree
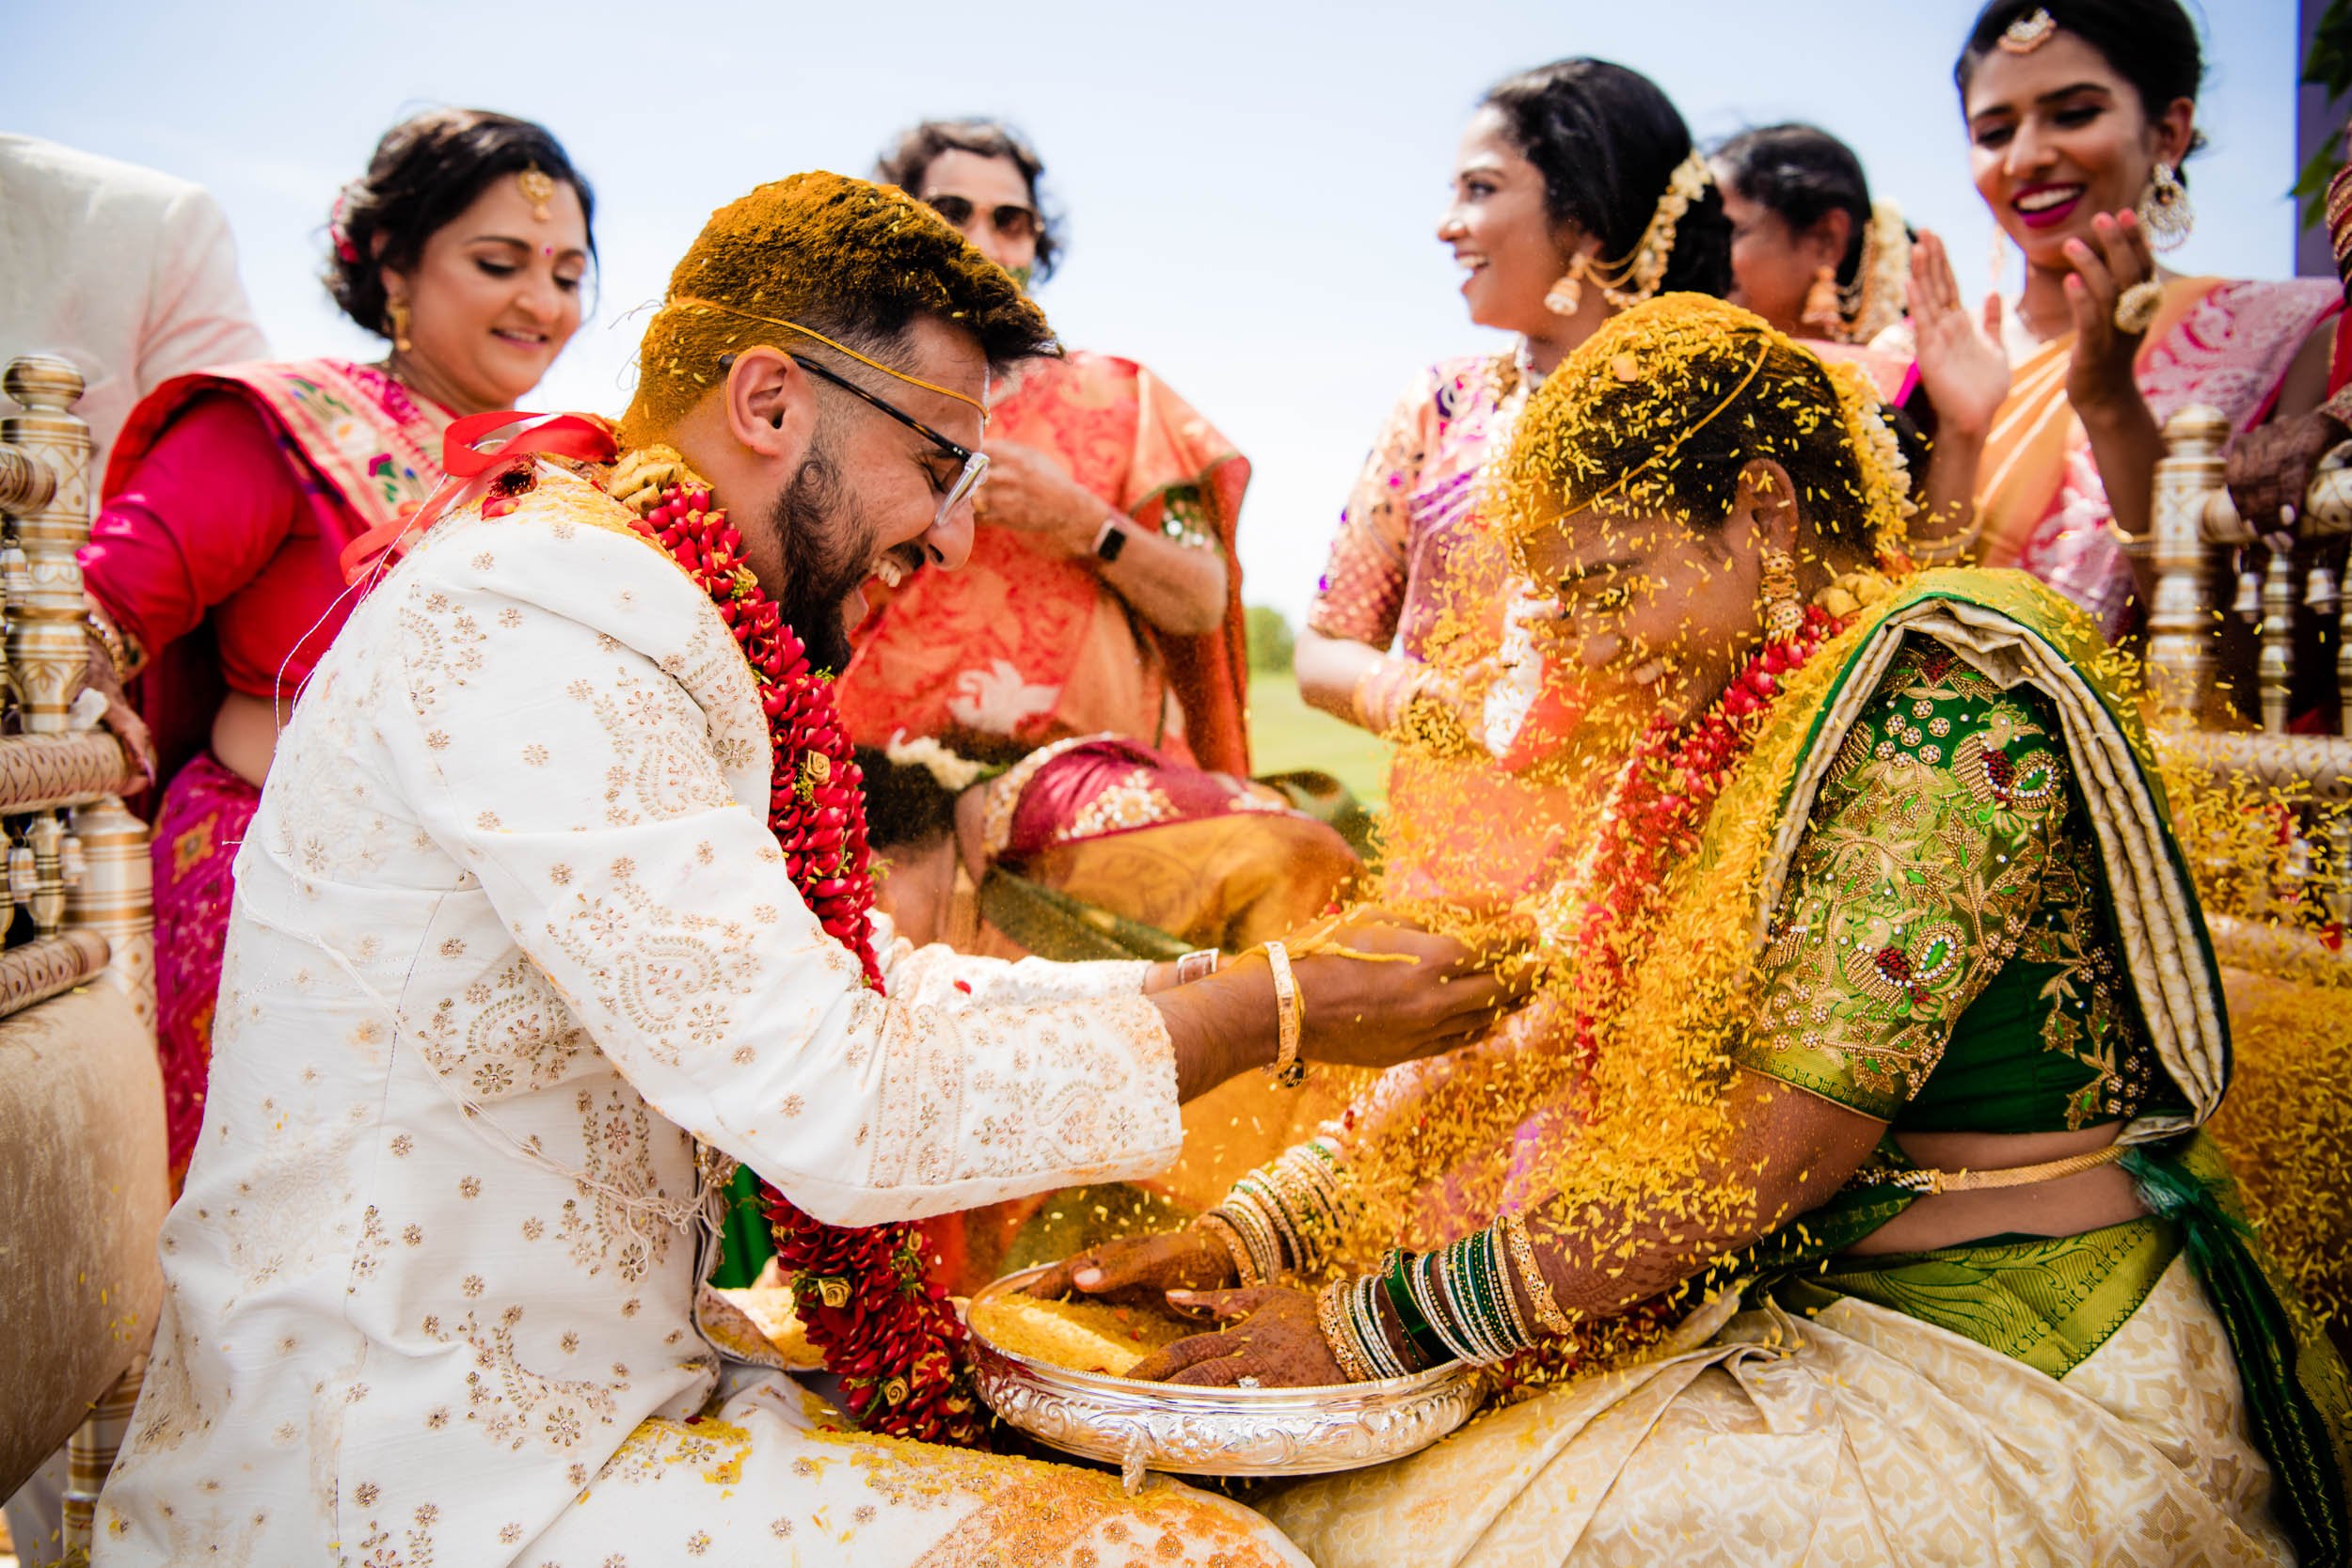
<point>1026,642</point>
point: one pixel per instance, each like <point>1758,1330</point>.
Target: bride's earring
<point>2165,209</point>
<point>1784,612</point>
<point>1568,293</point>
<point>1997,260</point>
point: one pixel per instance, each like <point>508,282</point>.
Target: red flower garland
<point>893,1338</point>
<point>1663,798</point>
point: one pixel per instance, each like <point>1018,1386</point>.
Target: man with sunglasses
<point>1108,518</point>
<point>518,966</point>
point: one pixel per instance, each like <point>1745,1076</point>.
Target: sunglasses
<point>975,462</point>
<point>1010,219</point>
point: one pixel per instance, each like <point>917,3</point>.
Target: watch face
<point>1114,541</point>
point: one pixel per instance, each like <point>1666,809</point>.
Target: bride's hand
<point>1962,363</point>
<point>1271,1334</point>
<point>1141,1270</point>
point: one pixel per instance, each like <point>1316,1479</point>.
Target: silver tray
<point>1218,1432</point>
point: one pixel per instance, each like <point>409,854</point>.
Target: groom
<point>516,950</point>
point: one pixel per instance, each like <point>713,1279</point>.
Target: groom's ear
<point>769,402</point>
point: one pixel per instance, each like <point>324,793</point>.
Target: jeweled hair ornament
<point>538,188</point>
<point>2028,32</point>
<point>1636,275</point>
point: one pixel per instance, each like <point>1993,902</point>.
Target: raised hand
<point>1140,1269</point>
<point>1028,490</point>
<point>1962,363</point>
<point>1271,1334</point>
<point>2114,258</point>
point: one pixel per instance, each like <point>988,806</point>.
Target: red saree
<point>229,500</point>
<point>1028,643</point>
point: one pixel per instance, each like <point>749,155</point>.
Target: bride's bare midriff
<point>2067,1206</point>
<point>245,736</point>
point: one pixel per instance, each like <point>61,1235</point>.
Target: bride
<point>1879,1023</point>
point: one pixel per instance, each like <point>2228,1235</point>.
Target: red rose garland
<point>1663,798</point>
<point>893,1338</point>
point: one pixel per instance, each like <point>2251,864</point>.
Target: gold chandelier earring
<point>1784,612</point>
<point>2164,208</point>
<point>1824,304</point>
<point>1567,294</point>
<point>396,323</point>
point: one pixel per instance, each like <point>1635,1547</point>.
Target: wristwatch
<point>1110,540</point>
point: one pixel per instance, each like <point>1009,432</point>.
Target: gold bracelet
<point>1331,1316</point>
<point>110,638</point>
<point>1290,1020</point>
<point>1548,1312</point>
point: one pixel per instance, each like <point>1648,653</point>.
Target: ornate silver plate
<point>1218,1432</point>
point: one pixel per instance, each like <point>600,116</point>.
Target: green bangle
<point>1424,1339</point>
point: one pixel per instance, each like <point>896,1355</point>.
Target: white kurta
<point>510,936</point>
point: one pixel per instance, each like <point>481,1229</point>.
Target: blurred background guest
<point>1578,193</point>
<point>214,568</point>
<point>1815,256</point>
<point>130,274</point>
<point>1103,594</point>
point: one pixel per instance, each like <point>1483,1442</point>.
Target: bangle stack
<point>1455,1304</point>
<point>1284,1216</point>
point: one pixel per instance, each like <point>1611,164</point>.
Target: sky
<point>1252,186</point>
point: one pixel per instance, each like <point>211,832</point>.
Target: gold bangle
<point>1289,1021</point>
<point>1361,698</point>
<point>1331,1317</point>
<point>110,638</point>
<point>1245,1269</point>
<point>1548,1312</point>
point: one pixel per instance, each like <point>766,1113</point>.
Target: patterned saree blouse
<point>1944,956</point>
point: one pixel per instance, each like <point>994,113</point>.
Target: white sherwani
<point>511,938</point>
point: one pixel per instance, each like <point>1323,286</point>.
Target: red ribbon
<point>574,435</point>
<point>464,455</point>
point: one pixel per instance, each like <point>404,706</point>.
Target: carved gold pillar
<point>2180,632</point>
<point>46,643</point>
<point>115,897</point>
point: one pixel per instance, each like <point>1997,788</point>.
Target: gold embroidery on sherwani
<point>440,1241</point>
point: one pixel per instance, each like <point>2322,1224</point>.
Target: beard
<point>827,549</point>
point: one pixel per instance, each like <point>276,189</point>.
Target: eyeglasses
<point>975,462</point>
<point>1010,219</point>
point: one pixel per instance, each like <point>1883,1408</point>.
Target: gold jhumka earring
<point>1784,612</point>
<point>1825,303</point>
<point>538,188</point>
<point>1567,293</point>
<point>2164,208</point>
<point>396,317</point>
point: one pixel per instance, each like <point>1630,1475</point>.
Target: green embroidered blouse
<point>1945,955</point>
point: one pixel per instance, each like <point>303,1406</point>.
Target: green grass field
<point>1285,734</point>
